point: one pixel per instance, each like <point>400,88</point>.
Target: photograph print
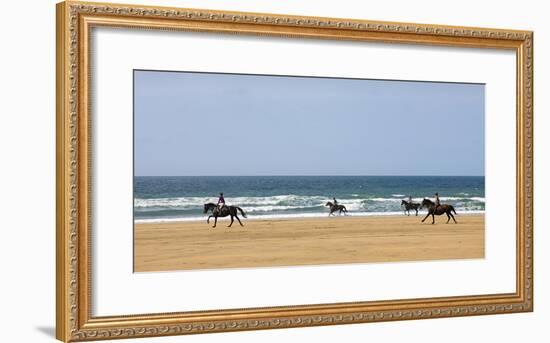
<point>249,171</point>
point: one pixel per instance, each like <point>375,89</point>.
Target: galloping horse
<point>447,209</point>
<point>410,206</point>
<point>224,212</point>
<point>334,208</point>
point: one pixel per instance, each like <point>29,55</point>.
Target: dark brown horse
<point>223,212</point>
<point>333,208</point>
<point>433,211</point>
<point>410,206</point>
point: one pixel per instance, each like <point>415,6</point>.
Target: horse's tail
<point>344,207</point>
<point>242,212</point>
<point>452,208</point>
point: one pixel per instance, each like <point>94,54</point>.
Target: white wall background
<point>27,169</point>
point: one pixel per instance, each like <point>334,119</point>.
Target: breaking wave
<point>286,206</point>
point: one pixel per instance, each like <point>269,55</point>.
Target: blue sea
<point>181,198</point>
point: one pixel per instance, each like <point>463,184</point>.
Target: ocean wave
<point>290,204</point>
<point>385,199</point>
<point>290,200</point>
<point>478,199</point>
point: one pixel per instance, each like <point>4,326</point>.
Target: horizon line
<point>304,76</point>
<point>274,175</point>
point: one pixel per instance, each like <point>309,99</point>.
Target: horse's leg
<point>236,216</point>
<point>426,217</point>
<point>231,221</point>
<point>433,218</point>
<point>453,218</point>
<point>215,221</point>
<point>448,217</point>
<point>208,219</point>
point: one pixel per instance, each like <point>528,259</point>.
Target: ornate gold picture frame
<point>74,320</point>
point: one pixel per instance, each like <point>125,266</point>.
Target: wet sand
<point>310,241</point>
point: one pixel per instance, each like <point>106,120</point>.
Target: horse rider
<point>335,201</point>
<point>221,203</point>
<point>436,201</point>
<point>410,200</point>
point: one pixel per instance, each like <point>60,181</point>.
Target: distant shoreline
<point>311,175</point>
<point>421,214</point>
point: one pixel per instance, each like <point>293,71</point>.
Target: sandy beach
<point>312,241</point>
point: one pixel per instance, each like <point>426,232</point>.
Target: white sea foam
<point>286,207</point>
<point>293,216</point>
<point>183,202</point>
<point>294,203</point>
<point>384,199</point>
<point>478,199</point>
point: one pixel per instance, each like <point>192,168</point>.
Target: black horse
<point>223,212</point>
<point>410,206</point>
<point>333,208</point>
<point>433,211</point>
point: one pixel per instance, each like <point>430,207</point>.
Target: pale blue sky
<point>231,124</point>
